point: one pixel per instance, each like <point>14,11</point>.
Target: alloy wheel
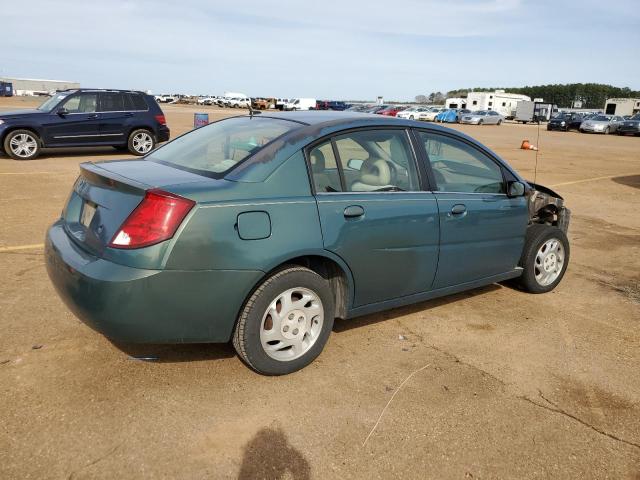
<point>291,324</point>
<point>23,145</point>
<point>142,142</point>
<point>549,262</point>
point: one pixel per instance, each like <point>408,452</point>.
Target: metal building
<point>34,86</point>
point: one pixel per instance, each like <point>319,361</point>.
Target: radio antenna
<point>535,172</point>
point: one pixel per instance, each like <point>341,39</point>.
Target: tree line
<point>592,95</point>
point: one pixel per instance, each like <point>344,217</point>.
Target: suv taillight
<point>161,120</point>
<point>154,220</point>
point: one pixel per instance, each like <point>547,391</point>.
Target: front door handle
<point>353,211</point>
<point>458,210</point>
<point>92,117</point>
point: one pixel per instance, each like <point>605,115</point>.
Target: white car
<point>413,113</point>
<point>239,102</point>
<point>430,114</point>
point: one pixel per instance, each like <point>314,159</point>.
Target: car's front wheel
<point>22,145</point>
<point>545,258</point>
<point>141,142</point>
<point>286,322</point>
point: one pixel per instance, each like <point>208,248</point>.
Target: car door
<point>74,122</point>
<point>374,213</point>
<point>115,117</point>
<point>482,230</point>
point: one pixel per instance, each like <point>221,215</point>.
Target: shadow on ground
<point>269,456</point>
<point>191,352</point>
<point>345,325</point>
<point>629,180</point>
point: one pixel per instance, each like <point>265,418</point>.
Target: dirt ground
<point>504,385</point>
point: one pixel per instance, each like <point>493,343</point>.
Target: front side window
<point>82,103</point>
<point>368,161</point>
<point>459,167</point>
<point>219,146</point>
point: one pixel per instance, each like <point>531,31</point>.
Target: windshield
<point>220,146</point>
<point>600,118</point>
<point>635,117</point>
<point>50,104</point>
<point>480,113</point>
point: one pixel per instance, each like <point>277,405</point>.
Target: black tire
<point>132,142</point>
<point>606,131</point>
<point>499,122</point>
<point>536,237</point>
<point>246,337</point>
<point>34,142</point>
<point>480,122</point>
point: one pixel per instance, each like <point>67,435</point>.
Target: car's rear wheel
<point>286,322</point>
<point>545,258</point>
<point>606,131</point>
<point>410,117</point>
<point>499,122</point>
<point>22,145</point>
<point>141,142</point>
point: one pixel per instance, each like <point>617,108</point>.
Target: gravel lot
<point>504,385</point>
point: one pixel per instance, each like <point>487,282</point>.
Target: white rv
<point>499,101</point>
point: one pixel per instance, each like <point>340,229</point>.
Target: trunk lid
<point>105,194</point>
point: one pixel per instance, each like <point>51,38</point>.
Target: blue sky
<point>325,49</point>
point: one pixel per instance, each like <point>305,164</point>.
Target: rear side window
<point>134,101</point>
<point>324,168</point>
<point>111,102</point>
<point>458,167</point>
<point>220,146</point>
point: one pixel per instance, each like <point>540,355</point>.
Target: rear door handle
<point>458,210</point>
<point>353,211</point>
<point>92,117</point>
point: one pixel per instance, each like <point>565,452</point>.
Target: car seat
<point>375,173</point>
<point>320,178</point>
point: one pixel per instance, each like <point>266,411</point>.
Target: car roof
<point>73,90</point>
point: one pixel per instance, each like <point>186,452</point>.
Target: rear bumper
<point>163,134</point>
<point>145,306</point>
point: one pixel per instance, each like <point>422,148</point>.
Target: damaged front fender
<point>547,207</point>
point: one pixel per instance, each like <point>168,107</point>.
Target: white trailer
<point>499,101</point>
<point>533,111</point>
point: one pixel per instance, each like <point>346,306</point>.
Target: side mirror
<point>62,111</point>
<point>355,164</point>
<point>515,189</point>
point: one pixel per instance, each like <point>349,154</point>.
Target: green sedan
<point>262,229</point>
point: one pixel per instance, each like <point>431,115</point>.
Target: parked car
<point>432,113</point>
<point>375,108</point>
<point>280,103</point>
<point>263,229</point>
<point>412,113</point>
<point>601,124</point>
<point>630,126</point>
<point>238,102</point>
<point>482,117</point>
<point>300,104</point>
<point>390,111</point>
<point>358,108</point>
<point>126,120</point>
<point>565,121</point>
<point>451,115</point>
<point>337,105</point>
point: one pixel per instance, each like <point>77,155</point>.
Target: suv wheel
<point>286,322</point>
<point>22,145</point>
<point>544,258</point>
<point>141,142</point>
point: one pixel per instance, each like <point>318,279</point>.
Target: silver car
<point>482,117</point>
<point>601,124</point>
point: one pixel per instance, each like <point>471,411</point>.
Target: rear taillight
<point>160,119</point>
<point>154,220</point>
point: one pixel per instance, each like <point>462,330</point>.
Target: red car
<point>390,111</point>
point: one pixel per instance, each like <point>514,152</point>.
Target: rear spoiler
<point>101,177</point>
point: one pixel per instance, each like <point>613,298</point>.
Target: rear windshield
<point>220,146</point>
